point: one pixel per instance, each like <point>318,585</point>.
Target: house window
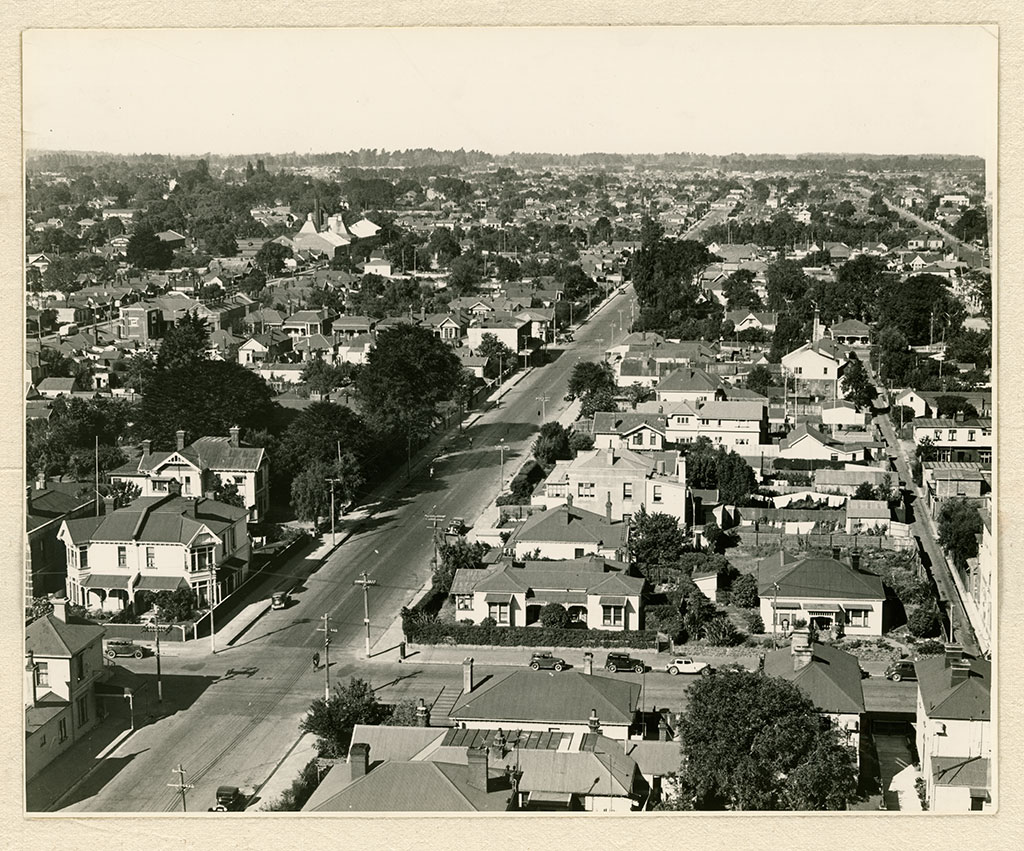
<point>577,552</point>
<point>202,558</point>
<point>638,439</point>
<point>952,434</point>
<point>79,667</point>
<point>83,558</point>
<point>500,613</point>
<point>656,496</point>
<point>239,480</point>
<point>970,435</point>
<point>62,730</point>
<point>824,370</point>
<point>611,615</point>
<point>627,490</point>
<point>938,434</point>
<point>834,457</point>
<point>83,710</point>
<point>585,490</point>
<point>464,602</point>
<point>43,674</point>
<point>150,558</point>
<point>654,439</point>
<point>857,617</point>
<point>122,556</point>
<point>985,456</point>
<point>798,370</point>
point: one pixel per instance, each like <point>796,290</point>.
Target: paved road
<point>233,716</point>
<point>937,565</point>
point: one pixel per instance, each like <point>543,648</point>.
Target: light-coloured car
<point>686,665</point>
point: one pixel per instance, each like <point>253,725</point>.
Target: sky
<point>715,90</point>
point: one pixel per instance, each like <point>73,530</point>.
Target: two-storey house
<point>63,663</point>
<point>740,425</point>
<point>957,439</point>
<point>156,544</point>
<point>954,731</point>
<point>196,467</point>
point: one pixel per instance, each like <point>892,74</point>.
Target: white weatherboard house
<point>566,532</point>
<point>592,595</point>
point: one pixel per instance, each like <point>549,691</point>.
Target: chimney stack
<point>588,663</point>
<point>594,722</point>
<point>174,487</point>
<point>467,675</point>
<point>234,431</point>
<point>60,607</point>
<point>108,504</point>
<point>476,762</point>
<point>855,559</point>
<point>661,467</point>
<point>147,447</point>
<point>608,507</point>
<point>179,437</point>
<point>953,653</point>
<point>41,481</point>
<point>28,499</point>
<point>802,649</point>
<point>610,455</point>
<point>422,714</point>
<point>568,500</point>
<point>959,672</point>
<point>359,759</point>
<point>498,746</point>
<point>664,731</point>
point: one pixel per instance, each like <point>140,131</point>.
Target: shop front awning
<point>160,583</point>
<point>791,606</point>
<point>106,581</point>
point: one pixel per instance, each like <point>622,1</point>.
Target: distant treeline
<point>473,159</point>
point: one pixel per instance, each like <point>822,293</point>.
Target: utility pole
<point>96,457</point>
<point>181,785</point>
<point>543,407</point>
<point>775,614</point>
<point>366,582</point>
<point>334,514</point>
<point>326,630</point>
<point>501,474</point>
<point>435,520</point>
<point>213,604</point>
<point>156,628</point>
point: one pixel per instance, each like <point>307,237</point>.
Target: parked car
<point>456,527</point>
<point>688,666</point>
<point>123,647</point>
<point>901,669</point>
<point>229,799</point>
<point>623,662</point>
<point>280,600</point>
<point>547,661</point>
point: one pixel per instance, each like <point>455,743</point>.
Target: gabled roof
<point>687,380</point>
<point>541,577</point>
<point>870,509</point>
<point>623,424</point>
<point>50,636</point>
<point>831,679</point>
<point>969,700</point>
<point>850,327</point>
<point>169,519</point>
<point>217,453</point>
<point>567,698</point>
<point>605,772</point>
<point>732,410</point>
<point>817,578</point>
<point>571,525</point>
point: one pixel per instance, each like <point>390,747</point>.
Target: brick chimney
<point>959,671</point>
<point>467,675</point>
<point>179,437</point>
<point>60,607</point>
<point>498,746</point>
<point>41,481</point>
<point>855,559</point>
<point>594,722</point>
<point>108,503</point>
<point>147,447</point>
<point>476,762</point>
<point>608,507</point>
<point>234,431</point>
<point>953,653</point>
<point>610,455</point>
<point>836,553</point>
<point>664,731</point>
<point>174,487</point>
<point>359,759</point>
<point>802,649</point>
<point>422,714</point>
<point>588,663</point>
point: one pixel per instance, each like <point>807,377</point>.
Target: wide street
<point>231,717</point>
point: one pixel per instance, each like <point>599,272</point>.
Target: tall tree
<point>959,525</point>
<point>655,540</point>
<point>185,344</point>
<point>407,375</point>
<point>856,384</point>
<point>552,444</point>
<point>588,376</point>
<point>753,742</point>
<point>147,251</point>
<point>332,720</point>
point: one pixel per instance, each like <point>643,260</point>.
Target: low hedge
<point>420,630</point>
<point>807,464</point>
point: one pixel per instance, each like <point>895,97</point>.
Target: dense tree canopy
<point>407,375</point>
<point>959,525</point>
<point>332,720</point>
<point>656,540</point>
<point>752,742</point>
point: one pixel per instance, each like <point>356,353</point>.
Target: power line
<point>181,785</point>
